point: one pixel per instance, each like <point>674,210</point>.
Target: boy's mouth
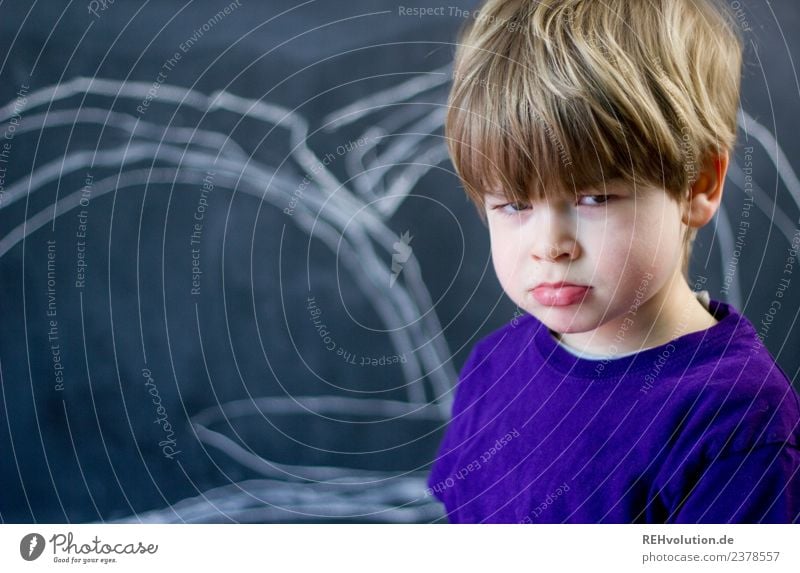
<point>559,294</point>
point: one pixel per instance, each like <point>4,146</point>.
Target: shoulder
<point>494,359</point>
<point>730,395</point>
<point>740,403</point>
<point>503,347</point>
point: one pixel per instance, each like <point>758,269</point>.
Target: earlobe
<point>705,193</point>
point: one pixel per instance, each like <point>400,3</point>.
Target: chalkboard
<point>238,274</point>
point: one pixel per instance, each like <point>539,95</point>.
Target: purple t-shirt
<point>703,429</point>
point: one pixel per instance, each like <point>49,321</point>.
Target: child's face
<point>623,248</point>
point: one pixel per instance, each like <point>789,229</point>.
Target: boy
<point>594,137</point>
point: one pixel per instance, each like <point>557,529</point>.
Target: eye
<point>595,200</point>
<point>511,208</point>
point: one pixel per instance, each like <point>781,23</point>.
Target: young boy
<point>594,138</point>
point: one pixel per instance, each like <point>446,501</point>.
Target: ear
<point>705,194</point>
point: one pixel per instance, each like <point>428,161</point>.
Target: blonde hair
<point>554,96</point>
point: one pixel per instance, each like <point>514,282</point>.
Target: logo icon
<point>402,252</point>
<point>31,546</point>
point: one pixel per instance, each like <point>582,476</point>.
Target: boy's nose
<point>552,239</point>
<point>566,249</point>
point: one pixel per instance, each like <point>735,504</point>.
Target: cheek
<point>615,258</point>
<point>648,252</point>
<point>504,258</point>
<point>507,257</point>
<point>658,237</point>
<point>609,248</point>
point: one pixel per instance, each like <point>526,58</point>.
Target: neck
<point>669,314</point>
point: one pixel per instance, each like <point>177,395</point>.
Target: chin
<point>565,320</point>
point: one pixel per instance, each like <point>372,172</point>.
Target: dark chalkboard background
<point>293,155</point>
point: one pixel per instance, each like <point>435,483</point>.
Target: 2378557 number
<point>754,555</point>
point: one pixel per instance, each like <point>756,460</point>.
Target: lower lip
<point>560,296</point>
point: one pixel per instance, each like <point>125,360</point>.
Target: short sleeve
<point>761,485</point>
